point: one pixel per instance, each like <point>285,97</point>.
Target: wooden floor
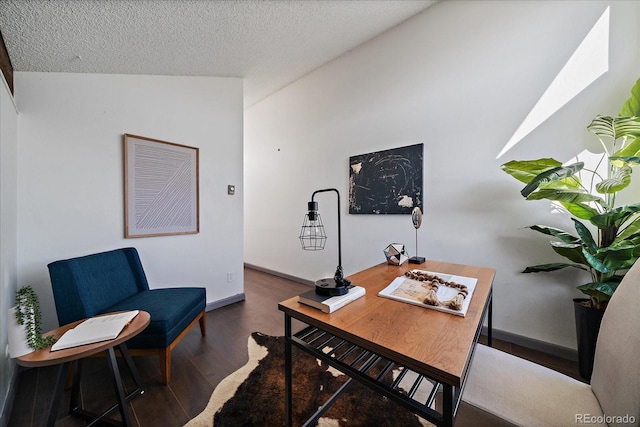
<point>199,364</point>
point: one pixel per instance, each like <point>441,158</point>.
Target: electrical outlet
<point>229,277</point>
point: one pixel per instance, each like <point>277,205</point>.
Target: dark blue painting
<point>386,182</point>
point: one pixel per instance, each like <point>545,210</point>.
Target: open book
<point>95,329</point>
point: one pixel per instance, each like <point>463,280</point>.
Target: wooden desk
<point>64,358</point>
<point>438,346</point>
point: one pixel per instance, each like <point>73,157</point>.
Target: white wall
<point>459,78</point>
<point>8,227</point>
<point>70,174</point>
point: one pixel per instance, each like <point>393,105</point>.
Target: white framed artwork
<point>161,188</point>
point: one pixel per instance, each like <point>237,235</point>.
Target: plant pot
<point>587,326</point>
<point>18,345</point>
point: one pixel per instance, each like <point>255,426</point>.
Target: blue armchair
<point>114,281</point>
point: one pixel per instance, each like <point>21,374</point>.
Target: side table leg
<point>74,403</point>
<point>288,366</point>
<point>61,379</point>
<point>119,387</point>
<point>124,350</point>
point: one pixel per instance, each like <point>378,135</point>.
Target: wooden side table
<point>64,359</point>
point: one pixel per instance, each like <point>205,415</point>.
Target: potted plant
<point>28,314</point>
<point>606,240</point>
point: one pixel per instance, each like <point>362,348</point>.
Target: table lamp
<point>313,238</point>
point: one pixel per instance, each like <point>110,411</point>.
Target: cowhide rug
<point>254,394</point>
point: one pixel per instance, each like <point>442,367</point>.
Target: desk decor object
<point>161,188</point>
<point>313,238</point>
<point>95,329</point>
<point>395,254</point>
<point>328,303</point>
<point>437,291</point>
<point>416,219</point>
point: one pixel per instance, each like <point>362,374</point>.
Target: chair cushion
<point>171,311</point>
<point>503,389</point>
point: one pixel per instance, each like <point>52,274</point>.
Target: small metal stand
<point>416,218</point>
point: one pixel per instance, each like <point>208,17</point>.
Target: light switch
<point>231,190</point>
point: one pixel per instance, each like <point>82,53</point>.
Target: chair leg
<point>165,365</point>
<point>203,324</point>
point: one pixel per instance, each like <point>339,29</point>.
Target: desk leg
<point>61,379</point>
<point>119,387</point>
<point>288,373</point>
<point>490,322</point>
<point>447,405</point>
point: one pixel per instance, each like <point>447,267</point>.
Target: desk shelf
<point>412,390</point>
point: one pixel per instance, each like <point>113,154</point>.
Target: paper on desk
<point>95,329</point>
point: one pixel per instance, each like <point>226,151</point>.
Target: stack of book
<point>329,304</point>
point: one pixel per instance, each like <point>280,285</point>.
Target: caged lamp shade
<point>312,235</point>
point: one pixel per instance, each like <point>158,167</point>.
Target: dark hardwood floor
<point>199,364</point>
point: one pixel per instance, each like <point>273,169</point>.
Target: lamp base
<point>416,260</point>
<point>332,288</point>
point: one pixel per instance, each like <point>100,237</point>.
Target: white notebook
<point>95,329</point>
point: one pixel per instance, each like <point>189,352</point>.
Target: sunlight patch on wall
<point>589,61</point>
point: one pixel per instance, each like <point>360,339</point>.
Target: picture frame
<point>161,187</point>
<point>387,181</point>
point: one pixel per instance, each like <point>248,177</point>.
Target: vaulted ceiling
<point>268,43</point>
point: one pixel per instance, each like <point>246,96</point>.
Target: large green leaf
<point>631,230</point>
<point>631,149</point>
<point>619,257</point>
<point>571,251</point>
<point>620,179</point>
<point>556,232</point>
<point>557,173</point>
<point>601,291</point>
<point>631,106</point>
<point>525,170</point>
<point>580,210</point>
<point>629,160</point>
<point>615,217</point>
<point>595,263</point>
<point>615,127</point>
<point>564,196</point>
<point>541,268</point>
<point>584,233</point>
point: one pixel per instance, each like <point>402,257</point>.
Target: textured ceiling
<point>268,43</point>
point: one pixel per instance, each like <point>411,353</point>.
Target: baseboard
<point>225,301</point>
<point>545,347</point>
<point>279,274</point>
